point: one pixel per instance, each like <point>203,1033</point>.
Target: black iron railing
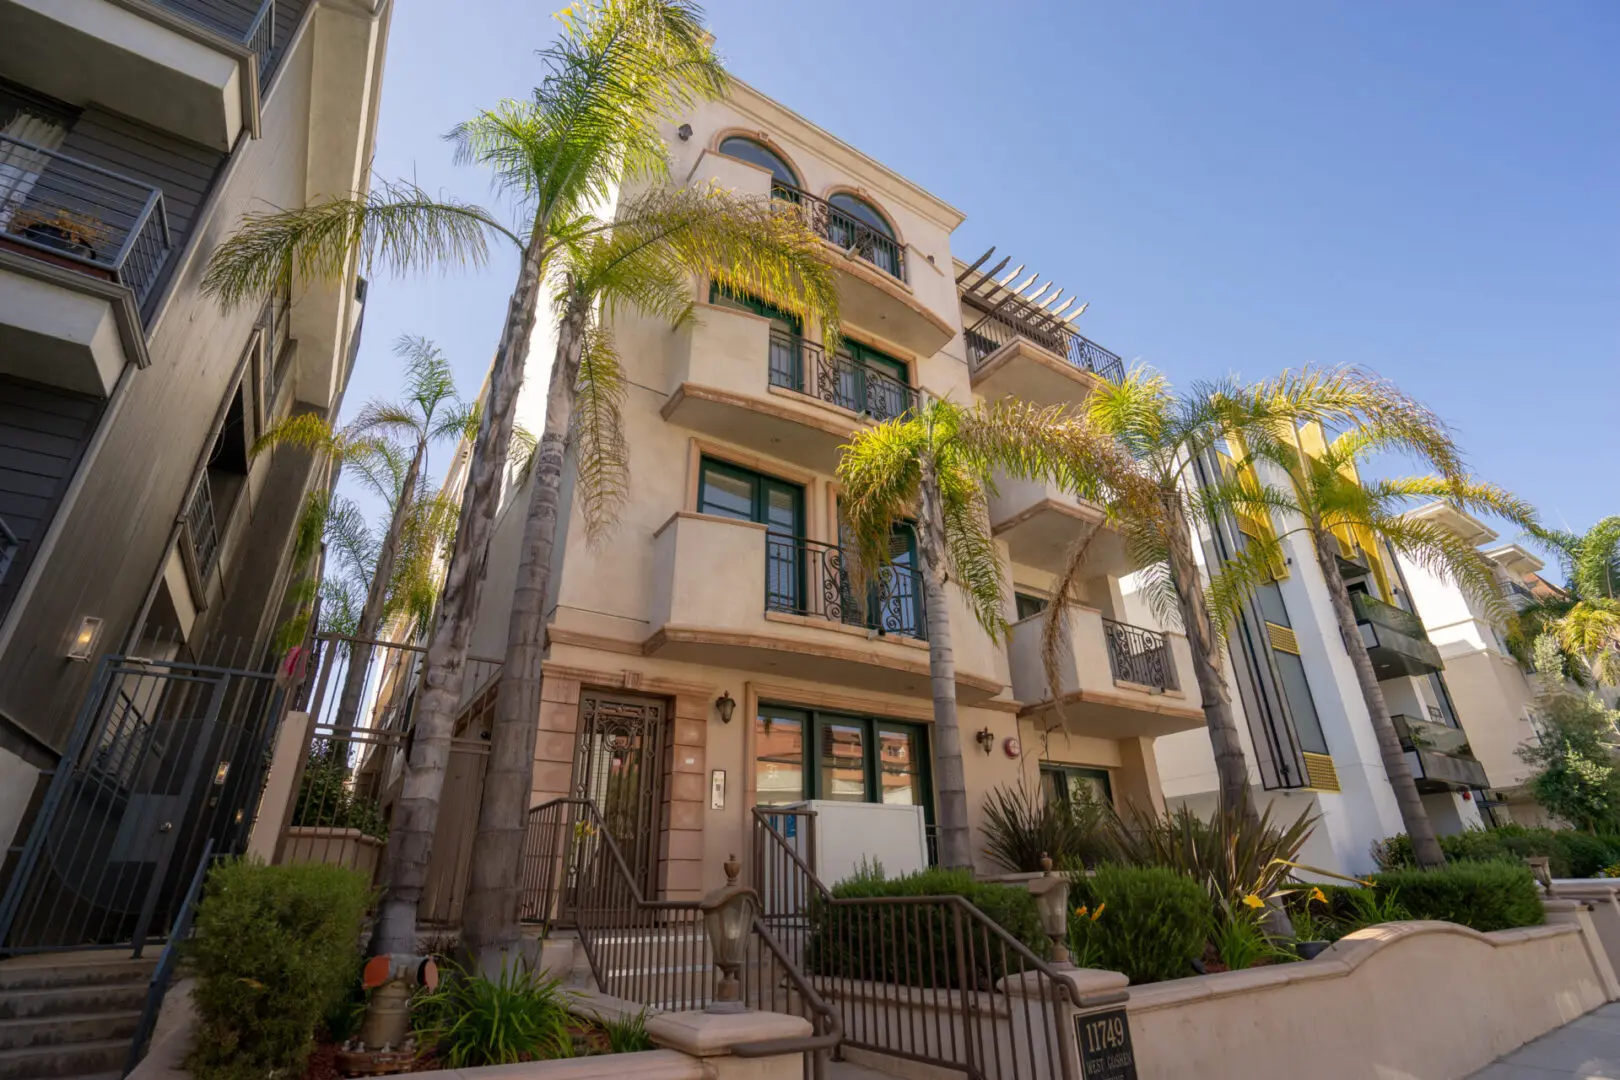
<point>804,577</point>
<point>925,978</point>
<point>1378,613</point>
<point>988,331</point>
<point>71,211</point>
<point>845,231</point>
<point>249,22</point>
<point>1139,655</point>
<point>797,364</point>
<point>202,527</point>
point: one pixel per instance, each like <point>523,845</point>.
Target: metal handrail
<point>802,366</point>
<point>575,821</point>
<point>73,211</point>
<point>1370,609</point>
<point>158,986</point>
<point>812,578</point>
<point>992,330</point>
<point>775,857</point>
<point>1139,655</point>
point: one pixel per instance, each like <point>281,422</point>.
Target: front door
<point>619,767</point>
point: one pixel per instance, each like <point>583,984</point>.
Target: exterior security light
<point>725,705</point>
<point>84,642</point>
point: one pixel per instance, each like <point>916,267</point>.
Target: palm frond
<point>1595,571</point>
<point>351,540</point>
<point>521,453</point>
<point>1238,578</point>
<point>601,456</point>
<point>395,228</point>
<point>306,430</point>
<point>971,559</point>
<point>1448,556</point>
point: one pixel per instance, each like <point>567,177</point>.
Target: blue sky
<point>1430,190</point>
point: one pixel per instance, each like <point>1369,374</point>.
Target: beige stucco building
<point>723,592</point>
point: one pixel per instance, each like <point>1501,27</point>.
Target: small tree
<point>1575,777</point>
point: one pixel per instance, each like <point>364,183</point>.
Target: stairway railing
<point>928,978</point>
<point>655,952</point>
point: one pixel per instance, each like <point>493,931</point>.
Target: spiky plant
<point>591,125</point>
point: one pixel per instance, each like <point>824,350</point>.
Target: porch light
<point>986,739</point>
<point>1051,893</point>
<point>728,915</point>
<point>725,704</point>
<point>84,642</point>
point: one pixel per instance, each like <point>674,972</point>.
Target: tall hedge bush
<point>275,949</point>
<point>1153,923</point>
<point>1484,895</point>
<point>1570,853</point>
<point>917,944</point>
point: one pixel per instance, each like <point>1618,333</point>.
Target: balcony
<point>1040,522</point>
<point>81,252</point>
<point>739,378</point>
<point>731,594</point>
<point>1440,756</point>
<point>874,290</point>
<point>1115,680</point>
<point>1015,352</point>
<point>194,68</point>
<point>1395,639</point>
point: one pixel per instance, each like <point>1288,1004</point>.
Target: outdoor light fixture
<point>684,131</point>
<point>986,739</point>
<point>1051,892</point>
<point>728,915</point>
<point>84,642</point>
<point>725,704</point>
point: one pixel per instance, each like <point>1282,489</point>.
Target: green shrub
<point>472,1020</point>
<point>1570,853</point>
<point>1484,895</point>
<point>627,1034</point>
<point>1232,855</point>
<point>276,949</point>
<point>1020,826</point>
<point>916,944</point>
<point>1344,909</point>
<point>326,796</point>
<point>1153,922</point>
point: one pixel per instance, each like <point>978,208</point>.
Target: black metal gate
<point>619,767</point>
<point>164,758</point>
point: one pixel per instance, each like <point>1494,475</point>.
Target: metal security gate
<point>619,767</point>
<point>165,757</point>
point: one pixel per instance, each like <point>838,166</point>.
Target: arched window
<point>856,223</point>
<point>757,153</point>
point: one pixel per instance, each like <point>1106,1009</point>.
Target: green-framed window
<point>812,754</point>
<point>872,382</point>
<point>1061,783</point>
<point>731,491</point>
<point>757,153</point>
<point>786,359</point>
<point>1028,605</point>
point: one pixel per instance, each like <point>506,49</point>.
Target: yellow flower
<point>1080,912</point>
<point>1254,901</point>
<point>1319,896</point>
<point>1098,913</point>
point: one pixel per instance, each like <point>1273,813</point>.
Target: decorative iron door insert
<point>619,767</point>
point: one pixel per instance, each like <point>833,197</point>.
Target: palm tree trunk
<point>950,784</point>
<point>490,917</point>
<point>1425,846</point>
<point>354,682</point>
<point>1231,767</point>
<point>410,838</point>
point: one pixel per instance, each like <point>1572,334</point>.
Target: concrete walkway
<point>1584,1049</point>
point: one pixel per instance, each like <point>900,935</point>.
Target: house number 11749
<point>1104,1041</point>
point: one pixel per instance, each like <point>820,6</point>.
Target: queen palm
<point>1337,511</point>
<point>642,262</point>
<point>591,125</point>
<point>932,467</point>
<point>429,411</point>
<point>1585,622</point>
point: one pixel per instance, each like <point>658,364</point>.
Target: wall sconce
<point>986,739</point>
<point>684,132</point>
<point>725,705</point>
<point>84,642</point>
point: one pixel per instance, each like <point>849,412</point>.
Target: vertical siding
<point>43,432</point>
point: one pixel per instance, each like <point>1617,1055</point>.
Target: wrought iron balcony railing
<point>989,331</point>
<point>801,365</point>
<point>1390,617</point>
<point>804,577</point>
<point>72,212</point>
<point>845,231</point>
<point>1139,655</point>
<point>249,22</point>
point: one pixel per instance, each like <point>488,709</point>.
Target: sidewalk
<point>1584,1049</point>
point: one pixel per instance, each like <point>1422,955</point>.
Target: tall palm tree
<point>429,411</point>
<point>644,261</point>
<point>932,467</point>
<point>591,125</point>
<point>1172,439</point>
<point>1586,621</point>
<point>1337,511</point>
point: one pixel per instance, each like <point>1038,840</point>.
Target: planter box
<point>333,847</point>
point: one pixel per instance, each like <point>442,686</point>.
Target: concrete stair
<point>69,1016</point>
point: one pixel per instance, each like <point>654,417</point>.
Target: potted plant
<point>65,230</point>
<point>1312,930</point>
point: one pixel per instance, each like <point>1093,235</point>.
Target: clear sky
<point>1431,190</point>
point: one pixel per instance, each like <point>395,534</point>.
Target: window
<point>787,360</point>
<point>804,754</point>
<point>871,382</point>
<point>1062,783</point>
<point>1028,605</point>
<point>894,598</point>
<point>757,153</point>
<point>856,224</point>
<point>729,491</point>
<point>863,212</point>
<point>1297,689</point>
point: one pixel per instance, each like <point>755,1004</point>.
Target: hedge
<point>1483,895</point>
<point>1570,853</point>
<point>1153,922</point>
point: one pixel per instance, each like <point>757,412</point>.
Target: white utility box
<point>850,833</point>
